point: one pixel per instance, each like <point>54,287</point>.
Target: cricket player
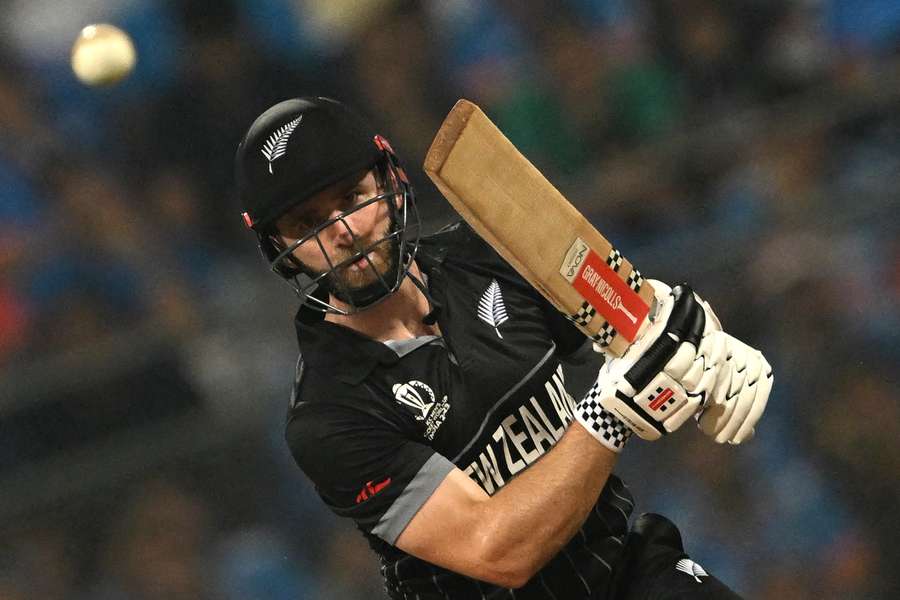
<point>430,404</point>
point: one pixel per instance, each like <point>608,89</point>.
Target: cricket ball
<point>102,54</point>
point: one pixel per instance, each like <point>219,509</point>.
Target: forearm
<point>529,520</point>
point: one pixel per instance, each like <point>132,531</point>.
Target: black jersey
<point>378,426</point>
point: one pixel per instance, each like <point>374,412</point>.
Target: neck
<point>397,317</point>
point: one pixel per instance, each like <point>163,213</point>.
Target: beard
<point>360,284</point>
<point>364,273</point>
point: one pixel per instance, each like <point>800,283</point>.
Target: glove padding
<point>736,402</point>
<point>643,391</point>
<point>735,380</point>
<point>704,373</point>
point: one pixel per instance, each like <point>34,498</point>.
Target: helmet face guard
<point>296,149</point>
<point>316,289</point>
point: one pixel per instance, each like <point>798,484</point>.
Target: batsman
<point>430,401</point>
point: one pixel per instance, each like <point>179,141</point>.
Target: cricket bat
<point>513,207</point>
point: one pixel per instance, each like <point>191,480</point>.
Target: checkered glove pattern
<point>602,424</point>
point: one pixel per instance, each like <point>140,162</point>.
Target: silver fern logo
<point>276,146</point>
<point>491,308</point>
<point>689,567</point>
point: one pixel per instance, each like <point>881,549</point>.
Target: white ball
<point>102,55</point>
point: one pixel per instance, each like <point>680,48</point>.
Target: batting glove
<point>701,373</point>
<point>738,399</point>
<point>643,391</point>
<point>734,380</point>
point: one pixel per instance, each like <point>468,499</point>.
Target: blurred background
<point>751,147</point>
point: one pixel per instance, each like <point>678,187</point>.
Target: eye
<point>300,226</point>
<point>304,226</point>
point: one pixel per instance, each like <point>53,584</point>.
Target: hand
<point>727,372</point>
<point>702,375</point>
<point>737,400</point>
<point>643,391</point>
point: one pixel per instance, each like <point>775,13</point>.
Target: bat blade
<point>510,204</point>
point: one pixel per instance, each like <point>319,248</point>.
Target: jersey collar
<point>340,352</point>
<point>343,353</point>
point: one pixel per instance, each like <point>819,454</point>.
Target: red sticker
<point>618,303</point>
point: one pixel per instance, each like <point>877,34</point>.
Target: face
<point>347,237</point>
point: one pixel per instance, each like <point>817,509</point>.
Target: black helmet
<point>300,147</point>
<point>295,149</point>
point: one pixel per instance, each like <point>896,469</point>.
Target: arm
<point>506,538</point>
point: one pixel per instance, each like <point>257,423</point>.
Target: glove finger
<point>739,356</point>
<point>764,388</point>
<point>683,360</point>
<point>714,347</point>
<point>702,374</point>
<point>708,380</point>
<point>743,402</point>
<point>718,394</point>
<point>711,419</point>
<point>717,414</point>
<point>731,399</point>
<point>680,416</point>
<point>691,378</point>
<point>682,366</point>
<point>723,346</point>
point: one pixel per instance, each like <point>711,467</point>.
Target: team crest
<point>420,398</point>
<point>276,146</point>
<point>491,308</point>
<point>689,567</point>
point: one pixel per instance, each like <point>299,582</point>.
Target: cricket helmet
<point>302,146</point>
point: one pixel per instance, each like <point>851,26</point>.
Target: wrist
<point>601,424</point>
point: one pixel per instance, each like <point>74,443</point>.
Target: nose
<point>340,230</point>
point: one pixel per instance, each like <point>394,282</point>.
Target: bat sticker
<point>601,286</point>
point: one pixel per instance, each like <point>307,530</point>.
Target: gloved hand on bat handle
<point>735,401</point>
<point>678,368</point>
<point>740,395</point>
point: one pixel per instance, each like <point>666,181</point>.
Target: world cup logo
<point>416,395</point>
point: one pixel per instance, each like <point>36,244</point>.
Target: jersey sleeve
<point>362,467</point>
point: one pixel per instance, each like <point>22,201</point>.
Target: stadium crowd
<point>131,297</point>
